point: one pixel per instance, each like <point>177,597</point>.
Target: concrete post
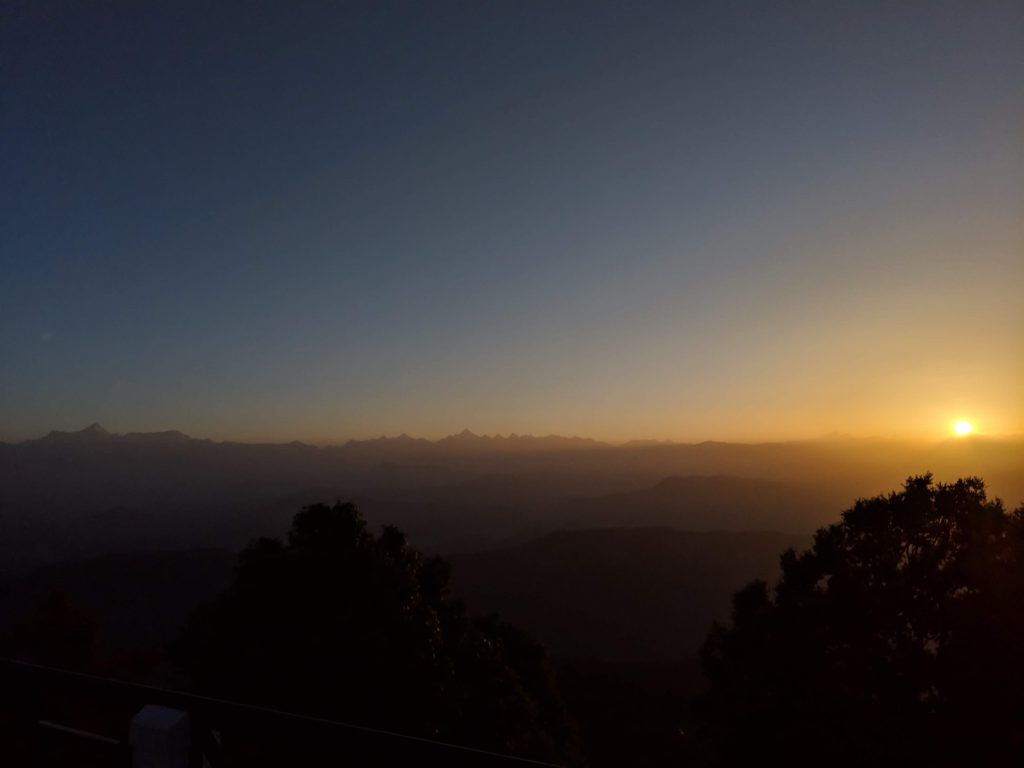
<point>160,738</point>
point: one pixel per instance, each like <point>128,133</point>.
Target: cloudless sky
<point>323,220</point>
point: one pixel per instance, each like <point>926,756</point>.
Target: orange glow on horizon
<point>963,428</point>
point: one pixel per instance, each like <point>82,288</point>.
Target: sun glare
<point>963,428</point>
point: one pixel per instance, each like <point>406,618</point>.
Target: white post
<point>160,738</point>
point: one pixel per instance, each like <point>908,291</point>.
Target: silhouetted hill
<point>78,494</point>
<point>709,503</point>
<point>646,594</point>
<point>138,598</point>
<point>623,595</point>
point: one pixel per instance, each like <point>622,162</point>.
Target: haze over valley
<point>90,492</point>
<point>457,383</point>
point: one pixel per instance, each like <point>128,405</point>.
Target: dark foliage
<point>631,714</point>
<point>339,623</point>
<point>895,639</point>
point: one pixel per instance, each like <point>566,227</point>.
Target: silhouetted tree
<point>896,639</point>
<point>340,623</point>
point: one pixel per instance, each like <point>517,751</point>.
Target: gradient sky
<point>733,221</point>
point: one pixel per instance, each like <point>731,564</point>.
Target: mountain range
<point>78,494</point>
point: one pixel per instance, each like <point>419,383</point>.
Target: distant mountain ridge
<point>465,439</point>
<point>95,433</point>
<point>512,442</point>
<point>76,494</point>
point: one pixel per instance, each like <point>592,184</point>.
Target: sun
<point>963,428</point>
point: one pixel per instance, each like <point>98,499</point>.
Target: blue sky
<point>731,221</point>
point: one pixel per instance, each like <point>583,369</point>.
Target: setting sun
<point>963,428</point>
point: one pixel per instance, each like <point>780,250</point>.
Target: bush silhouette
<point>339,623</point>
<point>895,639</point>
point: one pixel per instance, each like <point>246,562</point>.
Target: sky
<point>323,221</point>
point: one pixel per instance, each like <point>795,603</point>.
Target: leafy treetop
<point>339,623</point>
<point>897,637</point>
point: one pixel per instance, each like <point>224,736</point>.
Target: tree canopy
<point>337,622</point>
<point>895,638</point>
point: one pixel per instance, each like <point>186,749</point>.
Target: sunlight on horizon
<point>963,428</point>
<point>602,265</point>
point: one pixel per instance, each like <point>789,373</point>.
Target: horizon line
<point>467,434</point>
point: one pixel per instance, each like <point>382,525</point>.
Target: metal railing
<point>55,717</point>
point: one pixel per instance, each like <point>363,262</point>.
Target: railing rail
<point>224,733</point>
